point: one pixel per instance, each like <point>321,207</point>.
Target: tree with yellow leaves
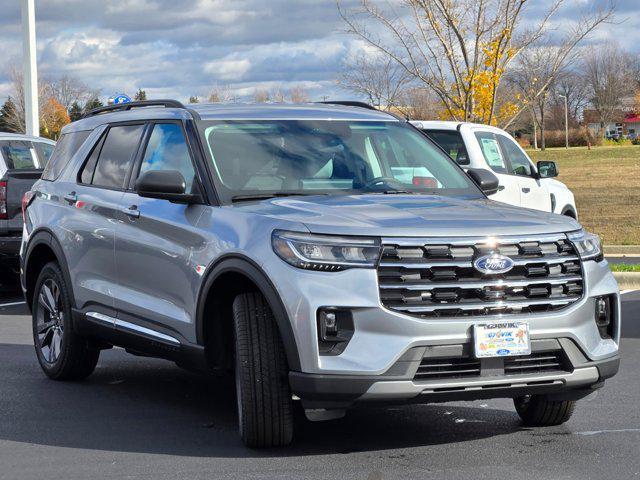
<point>53,116</point>
<point>460,49</point>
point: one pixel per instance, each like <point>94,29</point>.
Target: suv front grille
<point>535,363</point>
<point>439,280</point>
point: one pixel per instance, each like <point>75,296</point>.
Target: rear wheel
<point>63,355</point>
<point>538,411</point>
<point>265,410</point>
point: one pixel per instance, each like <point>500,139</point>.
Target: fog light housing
<point>335,329</point>
<point>605,315</point>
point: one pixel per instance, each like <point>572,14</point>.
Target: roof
<point>451,125</point>
<point>20,136</point>
<point>236,111</point>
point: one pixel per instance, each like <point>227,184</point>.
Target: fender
<point>243,265</point>
<point>46,237</point>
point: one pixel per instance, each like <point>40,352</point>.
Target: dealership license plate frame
<point>505,341</point>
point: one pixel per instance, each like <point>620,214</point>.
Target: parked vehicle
<point>326,254</point>
<point>522,183</point>
<point>22,159</point>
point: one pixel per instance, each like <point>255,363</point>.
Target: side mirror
<point>486,180</point>
<point>165,185</point>
<point>547,169</point>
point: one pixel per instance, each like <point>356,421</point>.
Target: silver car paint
<point>153,266</point>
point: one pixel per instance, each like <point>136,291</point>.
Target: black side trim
<point>184,354</point>
<point>46,237</point>
<point>245,266</point>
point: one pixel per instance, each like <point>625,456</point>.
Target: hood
<point>409,216</point>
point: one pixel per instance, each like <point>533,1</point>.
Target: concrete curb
<point>628,280</point>
<point>621,250</point>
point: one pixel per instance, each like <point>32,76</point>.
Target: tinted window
<point>452,143</point>
<point>86,176</point>
<point>65,149</point>
<point>520,164</point>
<point>44,151</point>
<point>167,150</point>
<point>18,154</point>
<point>491,152</point>
<point>116,155</point>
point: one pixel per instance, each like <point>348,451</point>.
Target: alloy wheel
<point>50,321</point>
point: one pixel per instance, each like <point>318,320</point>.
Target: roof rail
<point>128,106</point>
<point>350,103</point>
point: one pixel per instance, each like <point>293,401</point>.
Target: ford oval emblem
<point>503,351</point>
<point>493,264</point>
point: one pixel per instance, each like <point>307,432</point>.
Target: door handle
<point>526,190</point>
<point>501,188</point>
<point>71,197</point>
<point>132,211</point>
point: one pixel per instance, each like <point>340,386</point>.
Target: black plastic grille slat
<point>440,280</point>
<point>432,369</point>
<point>536,363</point>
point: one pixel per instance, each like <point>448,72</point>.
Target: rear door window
<point>18,154</point>
<point>64,150</point>
<point>452,143</point>
<point>491,152</point>
<point>116,156</point>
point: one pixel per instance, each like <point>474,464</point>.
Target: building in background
<point>624,122</point>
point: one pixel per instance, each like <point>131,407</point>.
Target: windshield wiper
<point>266,196</point>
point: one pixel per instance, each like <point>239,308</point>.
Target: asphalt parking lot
<point>145,418</point>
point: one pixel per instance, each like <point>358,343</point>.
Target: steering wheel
<point>381,181</point>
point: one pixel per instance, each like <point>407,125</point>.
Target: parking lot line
<point>10,304</point>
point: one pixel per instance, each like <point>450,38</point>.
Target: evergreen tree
<point>75,112</point>
<point>140,95</point>
<point>8,114</point>
<point>93,104</point>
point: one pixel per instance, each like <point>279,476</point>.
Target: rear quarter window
<point>65,149</point>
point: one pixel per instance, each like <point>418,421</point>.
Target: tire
<point>265,408</point>
<point>537,411</point>
<point>62,354</point>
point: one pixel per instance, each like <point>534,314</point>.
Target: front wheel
<point>265,409</point>
<point>62,354</point>
<point>538,411</point>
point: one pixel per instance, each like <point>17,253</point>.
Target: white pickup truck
<point>522,183</point>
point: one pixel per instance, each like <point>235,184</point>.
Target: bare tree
<point>68,90</point>
<point>460,49</point>
<point>609,79</point>
<point>16,119</point>
<point>380,79</point>
<point>298,94</point>
<point>418,104</point>
<point>220,94</point>
<point>261,95</point>
<point>570,84</point>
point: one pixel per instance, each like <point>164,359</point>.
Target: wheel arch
<point>42,248</point>
<point>569,211</point>
<point>232,275</point>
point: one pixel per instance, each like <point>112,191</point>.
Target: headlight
<point>587,245</point>
<point>325,252</point>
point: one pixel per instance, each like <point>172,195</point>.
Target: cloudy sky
<point>178,48</point>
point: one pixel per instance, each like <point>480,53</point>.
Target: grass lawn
<point>623,267</point>
<point>606,184</point>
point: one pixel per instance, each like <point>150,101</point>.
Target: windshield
<point>290,157</point>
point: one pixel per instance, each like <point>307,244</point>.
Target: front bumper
<point>577,378</point>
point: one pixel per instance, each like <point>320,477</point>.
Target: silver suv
<point>329,255</point>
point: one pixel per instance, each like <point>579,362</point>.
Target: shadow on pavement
<point>150,406</point>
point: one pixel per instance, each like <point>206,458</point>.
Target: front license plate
<point>502,339</point>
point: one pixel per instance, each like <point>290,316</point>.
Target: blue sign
<point>122,98</point>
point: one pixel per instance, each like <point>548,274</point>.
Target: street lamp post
<point>31,118</point>
<point>566,121</point>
